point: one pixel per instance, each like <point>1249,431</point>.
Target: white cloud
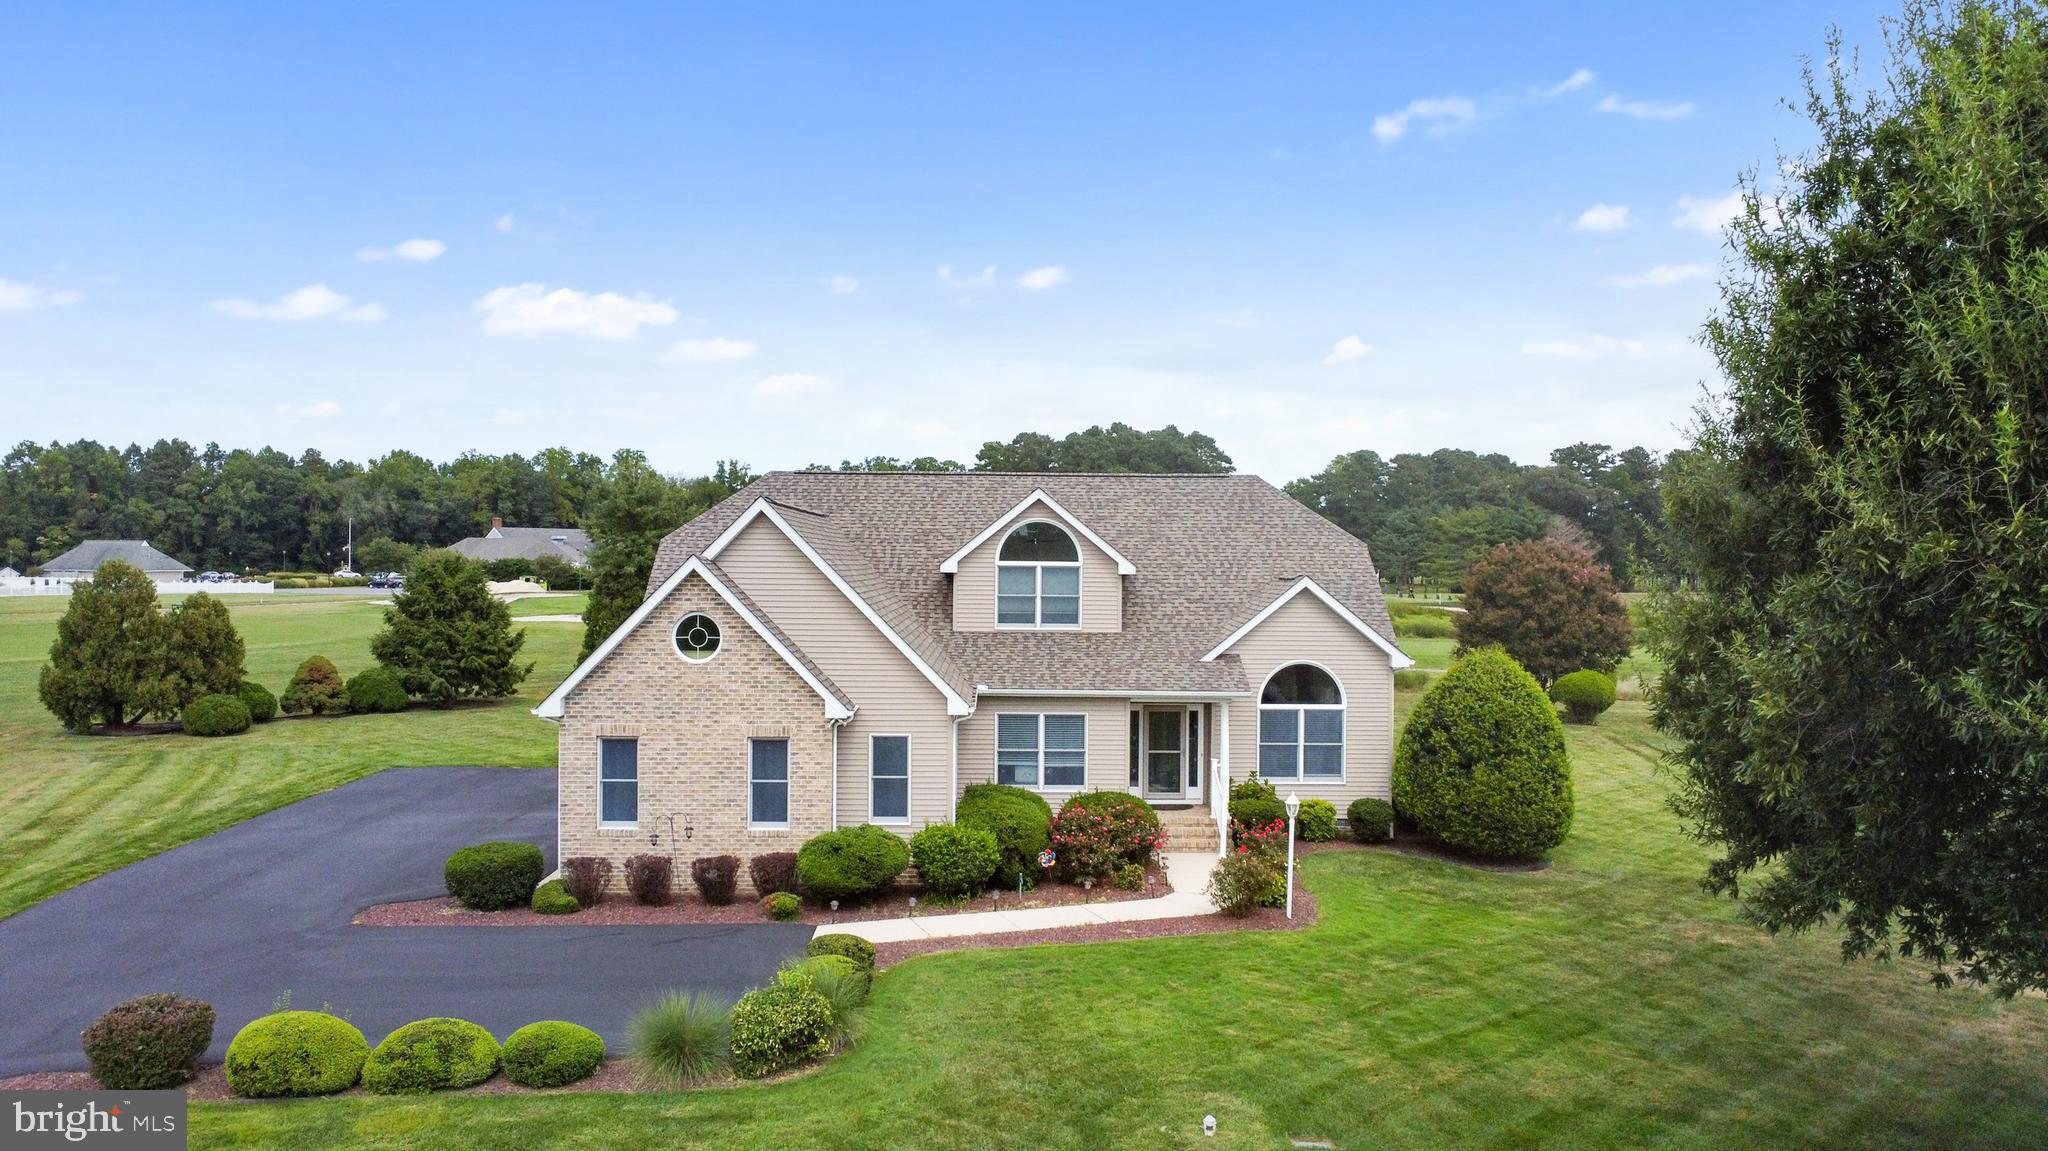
<point>842,285</point>
<point>1589,348</point>
<point>1644,109</point>
<point>716,350</point>
<point>318,410</point>
<point>1442,115</point>
<point>1707,214</point>
<point>417,251</point>
<point>1349,349</point>
<point>505,223</point>
<point>532,310</point>
<point>16,297</point>
<point>1602,218</point>
<point>789,384</point>
<point>312,302</point>
<point>1660,276</point>
<point>1571,83</point>
<point>1043,279</point>
<point>985,278</point>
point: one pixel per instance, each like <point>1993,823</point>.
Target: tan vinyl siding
<point>974,585</point>
<point>1305,630</point>
<point>1109,739</point>
<point>891,696</point>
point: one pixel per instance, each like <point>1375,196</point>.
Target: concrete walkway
<point>1188,872</point>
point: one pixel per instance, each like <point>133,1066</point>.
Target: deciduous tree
<point>1549,604</point>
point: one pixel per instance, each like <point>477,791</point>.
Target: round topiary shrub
<point>1129,816</point>
<point>1371,820</point>
<point>215,715</point>
<point>851,863</point>
<point>316,689</point>
<point>296,1053</point>
<point>782,907</point>
<point>1316,822</point>
<point>1020,820</point>
<point>493,876</point>
<point>375,690</point>
<point>779,1026</point>
<point>852,947</point>
<point>551,1054</point>
<point>1584,694</point>
<point>1482,764</point>
<point>553,898</point>
<point>430,1055</point>
<point>261,704</point>
<point>149,1043</point>
<point>954,860</point>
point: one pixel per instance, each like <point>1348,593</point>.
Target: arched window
<point>1038,578</point>
<point>1301,725</point>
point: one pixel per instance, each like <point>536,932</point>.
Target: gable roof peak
<point>1038,496</point>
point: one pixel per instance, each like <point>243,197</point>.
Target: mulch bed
<point>620,910</point>
<point>1263,919</point>
<point>211,1084</point>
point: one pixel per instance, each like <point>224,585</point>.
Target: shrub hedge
<point>552,1053</point>
<point>585,877</point>
<point>552,898</point>
<point>212,715</point>
<point>717,878</point>
<point>777,1027</point>
<point>1371,820</point>
<point>1020,820</point>
<point>261,704</point>
<point>429,1055</point>
<point>149,1043</point>
<point>650,879</point>
<point>1316,822</point>
<point>1482,764</point>
<point>1584,694</point>
<point>851,863</point>
<point>852,947</point>
<point>954,860</point>
<point>493,876</point>
<point>375,690</point>
<point>773,871</point>
<point>296,1053</point>
<point>1435,625</point>
<point>316,689</point>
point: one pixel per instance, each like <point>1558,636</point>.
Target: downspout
<point>835,725</point>
<point>953,804</point>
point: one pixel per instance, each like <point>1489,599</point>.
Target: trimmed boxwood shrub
<point>779,1026</point>
<point>852,947</point>
<point>1020,820</point>
<point>493,876</point>
<point>552,1053</point>
<point>782,906</point>
<point>1316,822</point>
<point>429,1055</point>
<point>1126,811</point>
<point>1257,810</point>
<point>296,1053</point>
<point>215,715</point>
<point>375,690</point>
<point>261,704</point>
<point>954,860</point>
<point>1482,765</point>
<point>585,877</point>
<point>773,871</point>
<point>1371,820</point>
<point>1584,694</point>
<point>316,689</point>
<point>851,863</point>
<point>552,898</point>
<point>149,1043</point>
<point>650,879</point>
<point>717,878</point>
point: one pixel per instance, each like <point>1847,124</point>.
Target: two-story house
<point>826,649</point>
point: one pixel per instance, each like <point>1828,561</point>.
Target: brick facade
<point>693,721</point>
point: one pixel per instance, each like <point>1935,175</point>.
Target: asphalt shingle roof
<point>88,557</point>
<point>1210,552</point>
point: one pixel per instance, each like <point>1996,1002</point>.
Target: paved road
<point>264,906</point>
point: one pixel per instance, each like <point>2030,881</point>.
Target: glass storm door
<point>1163,750</point>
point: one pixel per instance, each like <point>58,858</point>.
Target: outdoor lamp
<point>1293,809</point>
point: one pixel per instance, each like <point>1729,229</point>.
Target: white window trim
<point>952,563</point>
<point>996,753</point>
<point>677,644</point>
<point>1038,583</point>
<point>1301,775</point>
<point>909,749</point>
<point>604,824</point>
<point>788,784</point>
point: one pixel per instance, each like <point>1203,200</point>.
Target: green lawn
<point>572,603</point>
<point>73,807</point>
<point>1605,1003</point>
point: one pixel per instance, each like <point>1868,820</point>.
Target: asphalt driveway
<point>264,907</point>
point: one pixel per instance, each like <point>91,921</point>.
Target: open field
<point>1604,1003</point>
<point>72,807</point>
<point>571,604</point>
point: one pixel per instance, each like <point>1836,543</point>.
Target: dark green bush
<point>1371,820</point>
<point>954,860</point>
<point>782,907</point>
<point>553,898</point>
<point>1020,820</point>
<point>493,876</point>
<point>1584,694</point>
<point>779,1026</point>
<point>851,863</point>
<point>1412,679</point>
<point>1316,822</point>
<point>851,946</point>
<point>375,690</point>
<point>552,1053</point>
<point>296,1053</point>
<point>215,715</point>
<point>1128,813</point>
<point>149,1043</point>
<point>316,689</point>
<point>1257,811</point>
<point>839,982</point>
<point>261,704</point>
<point>1482,765</point>
<point>429,1055</point>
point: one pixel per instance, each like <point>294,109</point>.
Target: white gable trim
<point>1395,655</point>
<point>551,707</point>
<point>1123,566</point>
<point>762,509</point>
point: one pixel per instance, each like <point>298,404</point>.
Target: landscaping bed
<point>210,1085</point>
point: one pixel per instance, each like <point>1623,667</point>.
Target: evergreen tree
<point>201,655</point>
<point>447,637</point>
<point>108,650</point>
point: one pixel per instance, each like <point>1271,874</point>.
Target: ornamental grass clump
<point>684,1038</point>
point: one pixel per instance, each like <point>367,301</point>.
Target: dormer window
<point>1038,578</point>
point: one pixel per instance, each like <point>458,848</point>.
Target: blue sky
<point>795,234</point>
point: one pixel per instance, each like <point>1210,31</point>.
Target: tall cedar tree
<point>201,655</point>
<point>1857,680</point>
<point>1549,604</point>
<point>447,637</point>
<point>109,646</point>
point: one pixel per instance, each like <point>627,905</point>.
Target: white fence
<point>44,585</point>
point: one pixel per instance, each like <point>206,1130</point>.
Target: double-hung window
<point>618,782</point>
<point>889,778</point>
<point>1301,725</point>
<point>1042,751</point>
<point>768,782</point>
<point>1038,578</point>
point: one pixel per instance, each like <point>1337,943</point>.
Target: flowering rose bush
<point>1268,836</point>
<point>1091,844</point>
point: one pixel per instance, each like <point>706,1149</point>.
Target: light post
<point>1293,809</point>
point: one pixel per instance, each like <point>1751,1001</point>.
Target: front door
<point>1165,750</point>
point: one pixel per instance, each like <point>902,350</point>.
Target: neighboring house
<point>9,573</point>
<point>570,545</point>
<point>80,562</point>
<point>826,649</point>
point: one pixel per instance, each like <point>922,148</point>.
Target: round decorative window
<point>697,637</point>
